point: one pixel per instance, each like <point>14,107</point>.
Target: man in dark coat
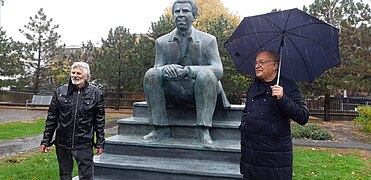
<point>266,145</point>
<point>187,71</point>
<point>75,114</point>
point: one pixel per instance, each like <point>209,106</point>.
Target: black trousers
<point>84,160</point>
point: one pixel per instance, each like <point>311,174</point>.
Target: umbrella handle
<point>279,67</point>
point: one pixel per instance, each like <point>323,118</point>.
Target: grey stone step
<point>233,113</point>
<point>180,156</point>
<point>108,166</point>
<point>227,151</point>
<point>180,128</point>
<point>227,123</point>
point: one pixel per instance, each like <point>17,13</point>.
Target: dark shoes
<point>157,134</point>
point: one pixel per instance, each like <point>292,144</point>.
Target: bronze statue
<point>187,70</point>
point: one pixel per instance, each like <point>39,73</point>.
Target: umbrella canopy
<point>307,45</point>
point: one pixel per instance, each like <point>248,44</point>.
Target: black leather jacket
<point>75,115</point>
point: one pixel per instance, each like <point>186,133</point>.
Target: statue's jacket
<point>200,54</point>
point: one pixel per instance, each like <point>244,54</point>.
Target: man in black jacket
<point>76,112</point>
<point>266,145</point>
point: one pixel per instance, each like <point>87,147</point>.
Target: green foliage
<point>31,165</point>
<point>21,129</point>
<point>10,56</point>
<point>309,132</point>
<point>329,163</point>
<point>353,18</point>
<point>58,73</point>
<point>163,26</point>
<point>144,58</point>
<point>114,66</point>
<point>41,46</point>
<point>233,82</point>
<point>363,120</point>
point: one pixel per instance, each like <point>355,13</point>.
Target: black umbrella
<point>307,45</point>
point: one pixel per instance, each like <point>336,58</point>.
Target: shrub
<point>310,132</point>
<point>363,120</point>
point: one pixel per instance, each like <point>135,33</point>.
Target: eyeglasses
<point>262,62</point>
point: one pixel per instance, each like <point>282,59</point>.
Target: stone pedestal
<point>179,157</point>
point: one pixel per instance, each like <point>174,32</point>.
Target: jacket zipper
<point>74,119</point>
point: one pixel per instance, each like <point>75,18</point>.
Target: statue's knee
<point>152,75</point>
<point>206,76</point>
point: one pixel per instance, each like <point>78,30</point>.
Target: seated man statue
<point>187,70</point>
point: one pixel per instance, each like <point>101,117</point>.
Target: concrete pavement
<point>11,115</point>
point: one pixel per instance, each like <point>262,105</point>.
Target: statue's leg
<point>206,86</point>
<point>156,105</point>
<point>205,89</point>
<point>155,97</point>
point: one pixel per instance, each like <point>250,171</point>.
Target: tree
<point>143,59</point>
<point>163,26</point>
<point>233,82</point>
<point>88,52</point>
<point>59,65</point>
<point>353,20</point>
<point>114,63</point>
<point>41,45</point>
<point>59,68</point>
<point>10,59</point>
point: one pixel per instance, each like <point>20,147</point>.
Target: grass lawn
<point>309,163</point>
<point>21,129</point>
<point>31,165</point>
<point>330,163</point>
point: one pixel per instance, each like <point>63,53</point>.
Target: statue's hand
<point>184,72</point>
<point>172,71</point>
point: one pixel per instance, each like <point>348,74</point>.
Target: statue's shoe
<point>157,134</point>
<point>205,138</point>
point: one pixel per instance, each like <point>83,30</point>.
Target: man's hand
<point>99,151</point>
<point>277,91</point>
<point>44,149</point>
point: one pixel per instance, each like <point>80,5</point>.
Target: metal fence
<point>341,108</point>
<point>19,98</point>
<point>126,99</point>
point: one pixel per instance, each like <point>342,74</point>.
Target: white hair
<point>85,68</point>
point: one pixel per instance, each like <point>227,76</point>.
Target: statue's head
<point>184,13</point>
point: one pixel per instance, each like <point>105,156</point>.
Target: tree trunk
<point>327,104</point>
<point>37,75</point>
<point>118,93</point>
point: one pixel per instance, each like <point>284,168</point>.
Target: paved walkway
<point>10,115</point>
<point>29,143</point>
<point>15,146</point>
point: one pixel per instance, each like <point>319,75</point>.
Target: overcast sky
<point>82,20</point>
